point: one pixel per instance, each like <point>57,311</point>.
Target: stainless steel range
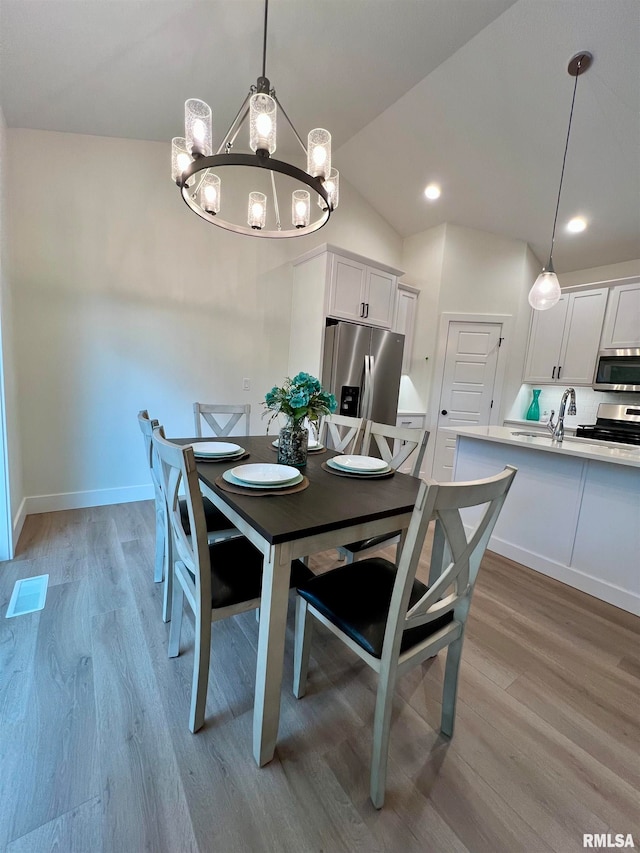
<point>614,423</point>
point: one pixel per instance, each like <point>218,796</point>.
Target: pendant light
<point>545,292</point>
<point>199,172</point>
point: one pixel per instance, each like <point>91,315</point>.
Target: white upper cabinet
<point>361,293</point>
<point>405,320</point>
<point>622,320</point>
<point>563,343</point>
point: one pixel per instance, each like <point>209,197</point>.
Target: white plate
<point>216,448</point>
<point>265,474</point>
<point>360,464</point>
<point>228,476</point>
<point>313,444</point>
<point>385,470</point>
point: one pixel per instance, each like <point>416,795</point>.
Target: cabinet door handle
<point>444,412</point>
<point>366,305</point>
<point>559,369</point>
<point>362,313</point>
<point>553,375</point>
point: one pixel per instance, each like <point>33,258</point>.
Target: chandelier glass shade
<point>213,184</point>
<point>546,292</point>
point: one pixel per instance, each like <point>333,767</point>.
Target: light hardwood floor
<point>95,753</point>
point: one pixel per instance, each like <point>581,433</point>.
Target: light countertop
<point>600,451</point>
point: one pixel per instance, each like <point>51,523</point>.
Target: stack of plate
<point>263,475</point>
<point>218,450</point>
<point>313,447</point>
<point>362,466</point>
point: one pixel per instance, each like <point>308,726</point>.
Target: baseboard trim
<point>80,500</point>
<point>623,598</point>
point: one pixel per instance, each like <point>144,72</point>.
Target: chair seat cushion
<point>371,542</point>
<point>236,572</point>
<point>215,519</point>
<point>356,599</point>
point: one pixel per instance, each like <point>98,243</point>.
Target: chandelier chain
<point>264,40</point>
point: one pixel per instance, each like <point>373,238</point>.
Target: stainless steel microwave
<point>617,370</point>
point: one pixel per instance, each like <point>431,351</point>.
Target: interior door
<point>471,360</point>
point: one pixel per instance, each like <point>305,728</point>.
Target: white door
<point>471,360</point>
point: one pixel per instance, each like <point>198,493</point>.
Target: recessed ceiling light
<point>432,192</point>
<point>576,225</point>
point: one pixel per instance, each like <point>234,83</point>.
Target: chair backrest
<point>208,411</point>
<point>455,558</point>
<point>147,426</point>
<point>177,467</point>
<point>341,433</point>
<point>396,444</point>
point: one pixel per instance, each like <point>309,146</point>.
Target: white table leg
<point>273,623</point>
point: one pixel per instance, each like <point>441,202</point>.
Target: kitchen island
<point>573,512</point>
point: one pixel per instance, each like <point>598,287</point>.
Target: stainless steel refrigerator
<point>361,366</point>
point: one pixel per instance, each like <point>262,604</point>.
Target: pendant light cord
<point>264,41</point>
<point>564,160</point>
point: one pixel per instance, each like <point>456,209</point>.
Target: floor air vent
<point>29,595</point>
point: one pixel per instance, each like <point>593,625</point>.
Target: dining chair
<point>392,620</point>
<point>217,580</point>
<point>208,412</point>
<point>395,445</point>
<point>218,525</point>
<point>341,433</point>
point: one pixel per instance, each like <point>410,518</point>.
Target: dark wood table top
<point>329,503</point>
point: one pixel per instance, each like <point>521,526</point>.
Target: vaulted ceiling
<point>471,94</point>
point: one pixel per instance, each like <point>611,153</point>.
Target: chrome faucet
<point>557,429</point>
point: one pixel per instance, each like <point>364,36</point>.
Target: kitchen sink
<point>532,434</point>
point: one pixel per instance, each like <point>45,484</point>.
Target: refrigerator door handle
<point>366,389</point>
<point>372,384</point>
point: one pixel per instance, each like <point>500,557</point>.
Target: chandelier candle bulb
<point>319,153</point>
<point>257,210</point>
<point>300,208</point>
<point>210,194</point>
<point>262,123</point>
<point>197,127</point>
<point>180,157</point>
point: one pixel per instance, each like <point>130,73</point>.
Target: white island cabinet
<point>573,512</point>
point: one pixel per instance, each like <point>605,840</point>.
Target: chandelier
<point>545,292</point>
<point>209,182</point>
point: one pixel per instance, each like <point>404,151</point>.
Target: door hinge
<point>500,341</point>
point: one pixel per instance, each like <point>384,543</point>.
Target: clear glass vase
<point>293,443</point>
<point>533,412</point>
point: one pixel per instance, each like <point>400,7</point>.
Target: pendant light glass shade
<point>262,123</point>
<point>332,186</point>
<point>210,193</point>
<point>197,127</point>
<point>180,157</point>
<point>545,292</point>
<point>257,216</point>
<point>319,153</point>
<point>300,208</point>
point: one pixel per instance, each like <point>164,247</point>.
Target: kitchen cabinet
<point>621,328</point>
<point>405,320</point>
<point>564,341</point>
<point>360,292</point>
<point>332,282</point>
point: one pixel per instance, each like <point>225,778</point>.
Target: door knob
<point>444,412</point>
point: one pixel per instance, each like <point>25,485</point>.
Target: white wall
<point>126,300</point>
<point>11,493</point>
<point>607,273</point>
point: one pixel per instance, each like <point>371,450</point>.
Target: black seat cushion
<point>371,542</point>
<point>214,518</point>
<point>236,572</point>
<point>356,598</point>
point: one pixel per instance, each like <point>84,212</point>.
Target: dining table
<point>332,511</point>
